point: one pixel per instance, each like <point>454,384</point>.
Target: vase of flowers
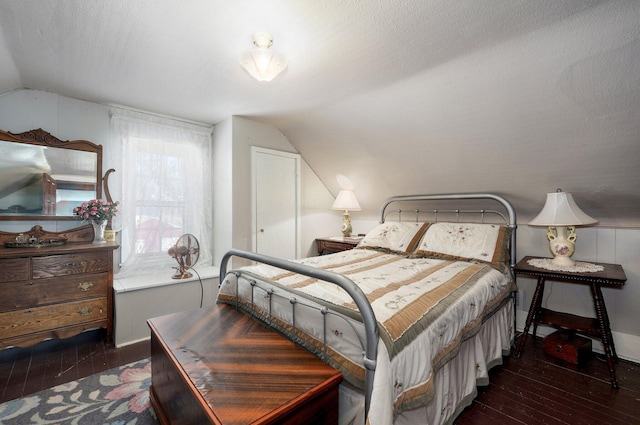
<point>98,212</point>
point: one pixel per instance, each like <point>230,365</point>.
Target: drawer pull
<point>85,286</point>
<point>81,263</point>
<point>29,283</point>
<point>85,311</point>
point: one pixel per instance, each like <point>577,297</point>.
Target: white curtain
<point>166,179</point>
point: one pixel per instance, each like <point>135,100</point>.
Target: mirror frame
<point>40,137</point>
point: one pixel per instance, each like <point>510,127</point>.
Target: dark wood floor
<point>24,371</point>
<point>537,389</point>
<point>530,390</point>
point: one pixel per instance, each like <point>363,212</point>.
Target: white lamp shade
<point>346,200</point>
<point>561,210</point>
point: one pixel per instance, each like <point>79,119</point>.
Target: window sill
<point>163,278</point>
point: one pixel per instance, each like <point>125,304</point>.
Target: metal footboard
<point>368,317</point>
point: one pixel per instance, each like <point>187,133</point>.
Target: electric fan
<point>186,251</point>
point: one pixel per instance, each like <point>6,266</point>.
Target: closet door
<point>276,203</point>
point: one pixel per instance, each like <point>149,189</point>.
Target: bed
<point>413,317</point>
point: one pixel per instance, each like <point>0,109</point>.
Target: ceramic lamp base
<point>562,245</point>
<point>346,224</point>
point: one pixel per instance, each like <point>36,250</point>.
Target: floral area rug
<point>118,396</point>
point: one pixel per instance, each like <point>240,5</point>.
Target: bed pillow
<point>487,243</point>
<point>394,236</point>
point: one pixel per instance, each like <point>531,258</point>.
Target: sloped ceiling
<point>420,96</point>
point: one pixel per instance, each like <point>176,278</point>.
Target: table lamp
<point>561,214</point>
<point>346,200</point>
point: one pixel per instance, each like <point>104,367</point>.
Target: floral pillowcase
<point>393,236</point>
<point>487,243</point>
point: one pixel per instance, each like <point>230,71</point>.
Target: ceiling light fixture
<point>261,63</point>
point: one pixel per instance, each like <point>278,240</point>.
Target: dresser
<point>55,291</point>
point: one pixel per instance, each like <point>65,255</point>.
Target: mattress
<point>441,324</point>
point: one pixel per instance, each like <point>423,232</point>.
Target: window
<point>166,189</point>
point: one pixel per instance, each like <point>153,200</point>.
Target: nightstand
<point>336,244</point>
<point>599,327</point>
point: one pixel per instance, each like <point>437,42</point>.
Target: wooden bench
<point>219,366</point>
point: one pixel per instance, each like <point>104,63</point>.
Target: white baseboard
<point>131,342</point>
<point>627,345</point>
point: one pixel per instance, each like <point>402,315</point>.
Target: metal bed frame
<point>370,345</point>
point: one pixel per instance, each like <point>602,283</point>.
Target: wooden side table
<point>599,327</point>
<point>336,244</point>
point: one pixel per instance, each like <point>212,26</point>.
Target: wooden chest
<point>219,366</point>
<point>55,292</point>
<point>568,347</point>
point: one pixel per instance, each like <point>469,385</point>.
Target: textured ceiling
<point>419,96</point>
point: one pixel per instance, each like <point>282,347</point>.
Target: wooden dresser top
<point>63,249</point>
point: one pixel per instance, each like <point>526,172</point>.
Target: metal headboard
<point>509,219</point>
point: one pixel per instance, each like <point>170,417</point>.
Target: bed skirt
<point>456,382</point>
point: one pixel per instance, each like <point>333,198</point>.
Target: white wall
<point>138,299</point>
<point>317,218</point>
<point>222,188</point>
<point>232,177</point>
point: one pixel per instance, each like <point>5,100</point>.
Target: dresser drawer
<point>67,264</point>
<point>19,322</point>
<point>38,292</point>
<point>14,269</point>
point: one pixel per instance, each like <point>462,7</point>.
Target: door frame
<point>255,151</point>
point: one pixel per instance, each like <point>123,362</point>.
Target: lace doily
<point>580,267</point>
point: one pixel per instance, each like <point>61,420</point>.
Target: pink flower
<point>97,210</point>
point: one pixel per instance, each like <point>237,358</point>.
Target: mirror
<point>44,178</point>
